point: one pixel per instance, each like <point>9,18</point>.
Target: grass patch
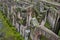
<point>47,24</point>
<point>9,32</point>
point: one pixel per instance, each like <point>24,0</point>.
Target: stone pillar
<point>8,13</point>
<point>13,13</point>
<point>3,8</point>
<point>27,34</point>
<point>41,6</point>
<point>19,15</point>
<point>19,20</point>
<point>45,16</point>
<point>11,9</point>
<point>35,38</point>
<point>13,21</point>
<point>17,27</point>
<point>29,13</point>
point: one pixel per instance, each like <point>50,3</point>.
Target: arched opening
<point>57,27</point>
<point>39,37</point>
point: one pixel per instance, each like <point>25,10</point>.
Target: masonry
<point>20,15</point>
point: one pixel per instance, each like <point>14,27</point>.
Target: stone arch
<point>57,26</point>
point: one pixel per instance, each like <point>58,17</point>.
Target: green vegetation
<point>37,15</point>
<point>47,24</point>
<point>8,32</point>
<point>43,38</point>
<point>59,33</point>
<point>23,21</point>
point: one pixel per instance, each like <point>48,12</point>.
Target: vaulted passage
<point>57,27</point>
